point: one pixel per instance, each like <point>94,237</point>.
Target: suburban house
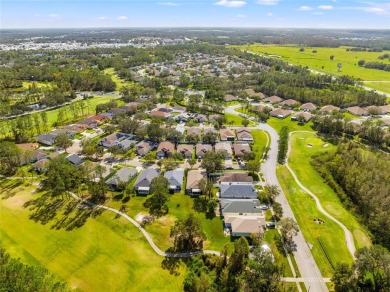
<point>115,139</point>
<point>251,93</point>
<point>165,149</point>
<point>202,149</point>
<point>75,128</point>
<point>183,117</point>
<point>213,118</point>
<point>33,156</point>
<point>237,191</point>
<point>159,114</point>
<point>329,108</point>
<point>175,178</point>
<point>235,177</point>
<point>273,99</point>
<point>194,131</point>
<point>99,118</point>
<point>88,123</point>
<point>209,130</point>
<point>357,111</point>
<point>193,178</point>
<point>280,113</point>
<point>27,146</point>
<point>70,134</point>
<point>41,165</point>
<point>122,176</point>
<point>179,109</point>
<point>46,139</point>
<point>262,108</point>
<point>244,226</point>
<point>186,149</point>
<point>244,134</point>
<point>241,207</point>
<point>385,109</point>
<point>230,97</point>
<point>143,147</point>
<point>224,146</point>
<point>307,107</point>
<point>227,135</point>
<point>142,184</point>
<point>240,149</point>
<point>200,118</point>
<point>289,103</point>
<point>302,116</point>
<point>75,159</point>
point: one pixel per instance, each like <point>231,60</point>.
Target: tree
<point>10,158</point>
<point>238,261</point>
<point>253,166</point>
<point>271,192</point>
<point>289,228</point>
<point>245,122</point>
<point>210,138</point>
<point>91,149</point>
<point>154,131</point>
<point>211,161</point>
<point>159,182</point>
<point>249,156</point>
<point>206,187</point>
<point>343,278</point>
<point>262,273</point>
<point>63,141</point>
<point>97,186</point>
<point>339,65</point>
<point>192,162</point>
<point>188,234</point>
<point>361,63</point>
<point>278,210</point>
<point>331,57</point>
<point>150,157</point>
<point>157,202</point>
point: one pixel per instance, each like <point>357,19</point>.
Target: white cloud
<point>269,14</point>
<point>325,7</point>
<point>122,17</point>
<point>267,2</point>
<point>167,3</point>
<point>378,10</point>
<point>228,3</point>
<point>241,15</point>
<point>305,8</point>
<point>102,17</point>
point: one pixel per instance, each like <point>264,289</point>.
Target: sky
<point>194,13</point>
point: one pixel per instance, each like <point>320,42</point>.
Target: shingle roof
<point>193,177</point>
<point>236,177</point>
<point>237,191</point>
<point>241,206</point>
<point>175,177</point>
<point>122,175</point>
<point>145,178</point>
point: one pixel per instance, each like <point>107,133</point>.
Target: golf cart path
<point>348,234</point>
<point>146,235</point>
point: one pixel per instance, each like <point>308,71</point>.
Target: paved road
<point>348,235</point>
<point>146,235</point>
<point>302,254</point>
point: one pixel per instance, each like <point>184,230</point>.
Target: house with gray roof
<point>75,159</point>
<point>243,207</point>
<point>237,191</point>
<point>142,184</point>
<point>175,178</point>
<point>123,175</point>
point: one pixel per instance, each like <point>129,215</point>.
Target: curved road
<point>348,235</point>
<point>305,261</point>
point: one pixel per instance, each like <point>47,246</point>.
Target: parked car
<point>264,207</point>
<point>270,225</point>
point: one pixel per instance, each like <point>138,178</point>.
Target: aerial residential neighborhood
<point>203,146</point>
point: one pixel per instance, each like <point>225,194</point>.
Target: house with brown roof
<point>194,131</point>
<point>240,149</point>
<point>329,108</point>
<point>186,149</point>
<point>227,134</point>
<point>289,103</point>
<point>251,93</point>
<point>230,97</point>
<point>213,118</point>
<point>202,149</point>
<point>385,109</point>
<point>209,130</point>
<point>273,99</point>
<point>235,177</point>
<point>88,123</point>
<point>302,117</point>
<point>242,226</point>
<point>262,108</point>
<point>280,113</point>
<point>27,146</point>
<point>357,111</point>
<point>307,107</point>
<point>159,114</point>
<point>244,134</point>
<point>41,165</point>
<point>192,186</point>
<point>200,118</point>
<point>165,149</point>
<point>143,147</point>
<point>224,146</point>
<point>99,118</point>
<point>77,128</point>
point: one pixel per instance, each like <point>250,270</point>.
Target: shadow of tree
<point>171,264</point>
<point>200,205</point>
<point>9,188</point>
<point>46,209</point>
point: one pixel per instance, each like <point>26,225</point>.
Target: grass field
<point>234,120</point>
<point>379,85</point>
<point>260,142</point>
<point>89,110</point>
<point>299,161</point>
<point>321,62</point>
<point>277,124</point>
<point>105,254</point>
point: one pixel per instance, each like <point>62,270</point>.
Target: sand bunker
<point>140,217</point>
<point>309,146</point>
<point>325,145</point>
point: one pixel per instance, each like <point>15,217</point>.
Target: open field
<point>329,233</point>
<point>299,160</point>
<point>277,124</point>
<point>379,85</point>
<point>105,254</point>
<point>321,62</point>
<point>260,142</point>
<point>234,120</point>
<point>89,110</point>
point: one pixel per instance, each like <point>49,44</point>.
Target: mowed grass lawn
<point>277,124</point>
<point>105,254</point>
<point>299,160</point>
<point>236,120</point>
<point>320,61</point>
<point>259,142</point>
